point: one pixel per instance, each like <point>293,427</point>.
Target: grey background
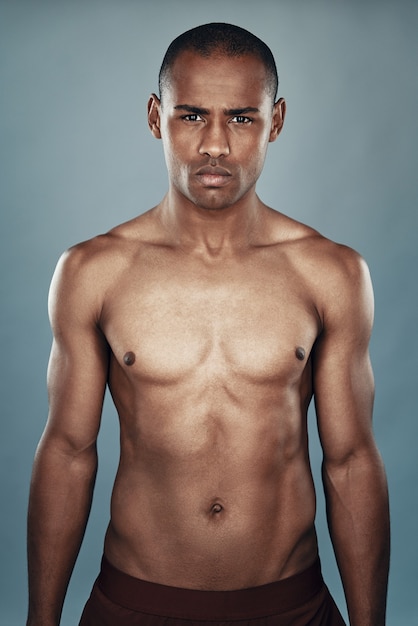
<point>77,158</point>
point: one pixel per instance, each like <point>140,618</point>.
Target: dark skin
<point>214,320</point>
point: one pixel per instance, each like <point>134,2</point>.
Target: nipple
<point>129,358</point>
<point>300,353</point>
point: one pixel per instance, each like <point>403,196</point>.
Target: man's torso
<point>211,374</point>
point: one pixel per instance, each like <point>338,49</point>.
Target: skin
<point>214,320</point>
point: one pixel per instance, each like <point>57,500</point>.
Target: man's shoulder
<point>331,271</point>
<point>110,250</point>
<point>338,279</point>
<point>335,263</point>
<point>307,245</point>
<point>86,270</point>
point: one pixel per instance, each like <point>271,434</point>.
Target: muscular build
<point>214,320</point>
<point>213,415</point>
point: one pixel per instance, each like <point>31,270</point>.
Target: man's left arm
<point>353,473</point>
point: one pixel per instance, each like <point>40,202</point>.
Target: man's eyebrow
<point>242,111</point>
<point>199,111</point>
<point>191,109</point>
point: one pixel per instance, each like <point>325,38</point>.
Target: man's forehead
<point>201,75</point>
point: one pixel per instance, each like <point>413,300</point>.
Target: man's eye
<point>241,119</point>
<point>192,117</point>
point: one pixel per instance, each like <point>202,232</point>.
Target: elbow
<point>357,474</point>
<point>63,454</point>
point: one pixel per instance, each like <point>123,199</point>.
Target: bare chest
<point>166,326</point>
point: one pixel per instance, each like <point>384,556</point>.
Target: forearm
<point>59,505</point>
<point>358,517</point>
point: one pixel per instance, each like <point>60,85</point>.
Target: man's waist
<point>167,600</point>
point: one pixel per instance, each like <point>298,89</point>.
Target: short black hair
<point>220,38</point>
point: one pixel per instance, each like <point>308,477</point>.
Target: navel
<point>300,353</point>
<point>217,508</point>
<point>129,358</point>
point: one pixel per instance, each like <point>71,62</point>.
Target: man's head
<point>219,39</point>
<point>216,114</point>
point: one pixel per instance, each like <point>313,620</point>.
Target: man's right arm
<point>65,463</point>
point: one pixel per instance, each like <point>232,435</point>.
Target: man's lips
<point>210,176</point>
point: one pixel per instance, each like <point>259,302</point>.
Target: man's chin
<point>213,201</point>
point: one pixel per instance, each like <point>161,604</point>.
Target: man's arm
<point>353,474</point>
<point>65,462</point>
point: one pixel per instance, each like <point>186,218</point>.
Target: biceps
<point>77,374</point>
<point>344,392</point>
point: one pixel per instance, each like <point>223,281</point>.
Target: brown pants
<point>118,599</point>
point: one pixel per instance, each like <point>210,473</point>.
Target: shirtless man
<point>214,320</point>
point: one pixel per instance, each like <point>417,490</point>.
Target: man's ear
<point>279,112</point>
<point>154,107</point>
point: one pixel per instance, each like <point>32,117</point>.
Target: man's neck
<point>218,232</point>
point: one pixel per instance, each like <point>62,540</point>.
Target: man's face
<point>215,120</point>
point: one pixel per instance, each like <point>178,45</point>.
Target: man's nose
<point>214,141</point>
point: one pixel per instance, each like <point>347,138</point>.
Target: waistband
<point>155,599</point>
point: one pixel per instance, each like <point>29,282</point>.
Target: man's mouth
<point>213,176</point>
